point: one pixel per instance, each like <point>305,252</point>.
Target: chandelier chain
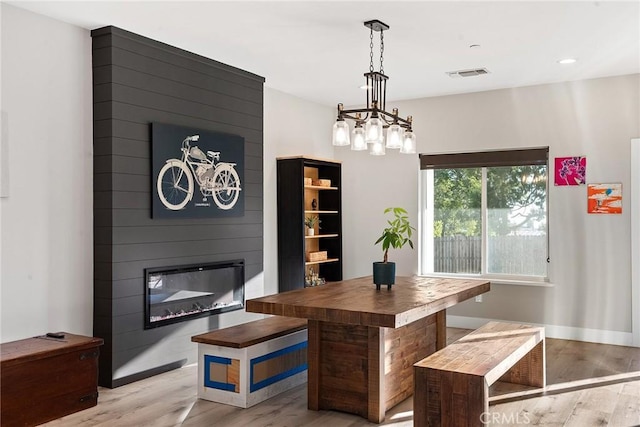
<point>381,51</point>
<point>371,51</point>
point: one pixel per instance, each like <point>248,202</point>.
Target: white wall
<point>371,184</point>
<point>46,227</point>
<point>46,222</point>
<point>635,239</point>
<point>292,126</point>
<point>590,254</point>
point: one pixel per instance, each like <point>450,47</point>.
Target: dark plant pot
<point>384,274</point>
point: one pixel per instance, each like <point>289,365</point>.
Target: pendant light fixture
<point>368,131</point>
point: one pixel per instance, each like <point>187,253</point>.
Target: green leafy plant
<point>398,233</point>
<point>311,221</point>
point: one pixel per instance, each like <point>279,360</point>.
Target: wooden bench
<point>451,386</point>
<point>245,364</point>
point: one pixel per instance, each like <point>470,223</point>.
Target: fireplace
<point>179,293</point>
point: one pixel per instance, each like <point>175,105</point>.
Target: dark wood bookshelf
<point>295,202</point>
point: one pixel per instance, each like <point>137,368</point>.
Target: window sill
<point>496,281</point>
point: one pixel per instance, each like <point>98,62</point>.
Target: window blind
<point>524,157</point>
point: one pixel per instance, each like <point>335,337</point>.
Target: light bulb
<point>394,136</point>
<point>374,130</point>
<point>340,133</point>
<point>359,142</point>
<point>377,149</point>
<point>408,143</point>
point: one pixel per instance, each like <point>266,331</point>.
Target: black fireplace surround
<point>179,293</point>
<point>138,81</point>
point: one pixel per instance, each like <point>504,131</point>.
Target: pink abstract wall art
<point>570,170</point>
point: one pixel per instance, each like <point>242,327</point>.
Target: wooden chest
<point>43,378</point>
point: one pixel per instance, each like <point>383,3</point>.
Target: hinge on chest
<point>89,355</point>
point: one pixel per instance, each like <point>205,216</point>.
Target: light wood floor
<point>588,385</point>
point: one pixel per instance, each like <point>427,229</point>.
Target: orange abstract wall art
<point>604,198</point>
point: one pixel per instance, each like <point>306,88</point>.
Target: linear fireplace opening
<point>179,293</point>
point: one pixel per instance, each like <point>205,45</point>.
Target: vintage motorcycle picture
<point>215,179</point>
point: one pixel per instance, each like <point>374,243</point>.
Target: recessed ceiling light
<point>567,61</point>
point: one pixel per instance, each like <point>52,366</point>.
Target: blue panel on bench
<point>282,375</point>
<point>208,360</point>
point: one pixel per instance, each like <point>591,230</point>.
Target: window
<point>485,214</point>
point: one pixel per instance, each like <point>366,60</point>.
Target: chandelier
<point>370,122</point>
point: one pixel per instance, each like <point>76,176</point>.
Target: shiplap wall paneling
<point>138,81</point>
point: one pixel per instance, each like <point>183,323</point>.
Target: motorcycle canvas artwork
<point>197,177</point>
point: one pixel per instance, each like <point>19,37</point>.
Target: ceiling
<point>319,50</point>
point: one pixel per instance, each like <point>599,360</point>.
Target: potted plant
<point>310,222</point>
<point>396,235</point>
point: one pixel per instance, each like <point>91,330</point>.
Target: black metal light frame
<point>376,84</point>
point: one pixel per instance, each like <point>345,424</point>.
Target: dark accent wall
<point>137,81</point>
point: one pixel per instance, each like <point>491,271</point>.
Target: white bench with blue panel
<point>246,364</point>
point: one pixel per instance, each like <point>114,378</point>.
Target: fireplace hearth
<point>179,293</point>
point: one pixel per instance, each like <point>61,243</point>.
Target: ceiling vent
<point>467,73</point>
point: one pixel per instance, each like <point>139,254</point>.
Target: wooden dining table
<point>362,343</point>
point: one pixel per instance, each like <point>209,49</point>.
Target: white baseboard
<point>554,331</point>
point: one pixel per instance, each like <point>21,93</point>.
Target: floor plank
<point>170,399</point>
<point>627,410</point>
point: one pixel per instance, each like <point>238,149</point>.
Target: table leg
<point>313,364</point>
<point>376,407</point>
<point>365,370</point>
<point>441,329</point>
<point>338,366</point>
